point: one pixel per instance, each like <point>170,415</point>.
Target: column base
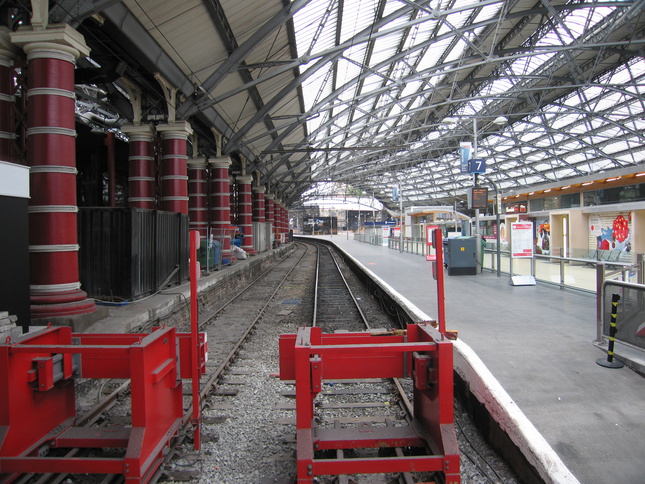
<point>249,250</point>
<point>68,308</point>
<point>78,322</point>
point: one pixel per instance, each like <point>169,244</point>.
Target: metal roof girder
<point>131,28</point>
<point>360,37</point>
<point>191,106</point>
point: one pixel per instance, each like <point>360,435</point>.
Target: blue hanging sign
<point>465,149</point>
<point>477,165</point>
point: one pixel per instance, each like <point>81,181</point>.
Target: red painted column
<point>277,210</point>
<point>259,210</point>
<point>197,206</point>
<point>174,169</point>
<point>220,205</point>
<point>141,179</point>
<point>8,52</point>
<point>51,152</point>
<point>245,212</point>
<point>286,222</point>
<point>233,200</point>
<point>281,218</point>
<point>269,214</point>
<point>259,214</point>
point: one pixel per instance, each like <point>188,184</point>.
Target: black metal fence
<point>128,253</point>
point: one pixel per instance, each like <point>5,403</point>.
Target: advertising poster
<point>521,239</point>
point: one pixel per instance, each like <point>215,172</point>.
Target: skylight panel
<point>411,88</point>
<point>357,16</point>
<point>433,55</point>
<point>488,12</point>
<point>307,25</point>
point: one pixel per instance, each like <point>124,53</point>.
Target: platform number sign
<point>477,165</point>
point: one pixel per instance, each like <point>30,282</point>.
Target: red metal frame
<point>424,354</point>
<point>37,408</point>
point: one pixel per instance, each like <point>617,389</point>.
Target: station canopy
<point>378,94</point>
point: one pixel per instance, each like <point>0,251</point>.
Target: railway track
<point>248,424</point>
<point>335,306</point>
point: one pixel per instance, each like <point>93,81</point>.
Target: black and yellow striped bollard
<point>609,362</point>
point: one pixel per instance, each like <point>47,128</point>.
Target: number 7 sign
<point>477,165</point>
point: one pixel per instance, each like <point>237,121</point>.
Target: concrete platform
<point>537,342</point>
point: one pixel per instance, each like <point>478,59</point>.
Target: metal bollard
<point>609,362</point>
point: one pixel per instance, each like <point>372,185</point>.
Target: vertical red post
<point>245,212</point>
<point>259,214</point>
<point>232,200</point>
<point>441,306</point>
<point>55,288</point>
<point>269,214</point>
<point>174,168</point>
<point>194,337</point>
<point>197,195</point>
<point>277,219</point>
<point>220,205</point>
<point>141,178</point>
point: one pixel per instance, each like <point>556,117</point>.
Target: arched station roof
<point>377,93</point>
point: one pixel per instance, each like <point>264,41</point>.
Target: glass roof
<point>407,81</point>
<point>305,94</point>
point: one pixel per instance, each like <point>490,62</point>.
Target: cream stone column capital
<point>138,132</point>
<point>221,162</point>
<point>244,179</point>
<point>50,42</point>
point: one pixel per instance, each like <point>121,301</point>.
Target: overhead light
<point>641,173</point>
<point>565,187</point>
<point>612,179</point>
<point>531,193</point>
<point>517,196</point>
<point>547,190</point>
<point>499,120</point>
<point>587,183</point>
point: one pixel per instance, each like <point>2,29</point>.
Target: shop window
<point>537,205</point>
<point>551,203</point>
<point>628,193</point>
<point>570,200</point>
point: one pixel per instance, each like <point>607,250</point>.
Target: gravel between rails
<point>250,436</point>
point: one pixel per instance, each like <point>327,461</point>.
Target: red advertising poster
<point>521,239</point>
<point>432,253</point>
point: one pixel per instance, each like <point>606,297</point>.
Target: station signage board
<point>479,197</point>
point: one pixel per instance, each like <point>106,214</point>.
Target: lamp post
<point>400,220</point>
<point>478,247</point>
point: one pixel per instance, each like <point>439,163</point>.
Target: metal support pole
<point>400,220</point>
<point>478,247</point>
<point>194,338</point>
